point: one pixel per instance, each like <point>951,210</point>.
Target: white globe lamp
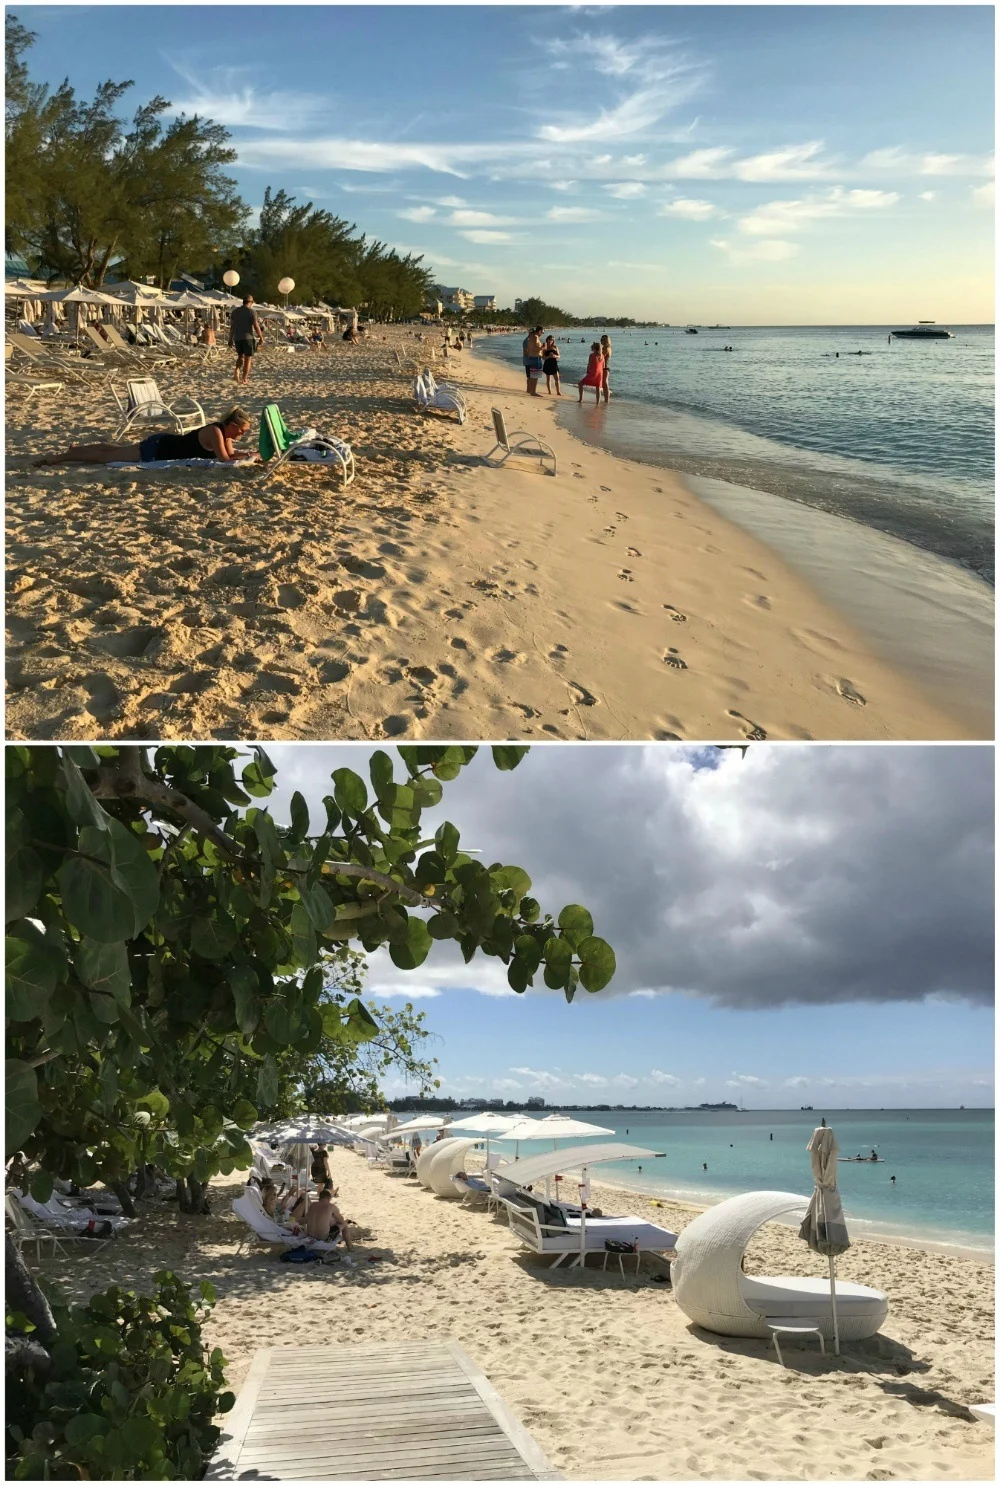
<point>230,278</point>
<point>285,287</point>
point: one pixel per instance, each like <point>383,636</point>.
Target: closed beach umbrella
<point>823,1226</point>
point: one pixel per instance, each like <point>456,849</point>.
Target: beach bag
<point>300,1256</point>
<point>619,1246</point>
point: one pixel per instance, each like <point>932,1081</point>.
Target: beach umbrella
<point>489,1121</point>
<point>823,1226</point>
<point>553,1127</point>
<point>416,1126</point>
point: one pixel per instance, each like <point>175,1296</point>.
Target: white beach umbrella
<point>417,1126</point>
<point>551,1163</point>
<point>555,1128</point>
<point>823,1226</point>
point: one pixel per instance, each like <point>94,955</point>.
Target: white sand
<point>608,1375</point>
<point>436,598</point>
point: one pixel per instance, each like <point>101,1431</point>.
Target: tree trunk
<point>124,1196</point>
<point>23,1294</point>
<point>192,1195</point>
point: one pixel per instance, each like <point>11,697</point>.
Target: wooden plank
<point>396,1411</point>
<point>524,1443</point>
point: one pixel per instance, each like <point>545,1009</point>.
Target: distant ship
<point>805,1106</point>
<point>924,330</point>
<point>690,330</point>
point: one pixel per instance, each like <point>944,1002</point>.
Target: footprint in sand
<point>592,497</point>
<point>578,476</point>
<point>850,693</point>
<point>675,614</point>
<point>609,531</point>
<point>423,675</point>
<point>621,515</point>
<point>632,552</point>
<point>606,489</point>
<point>749,729</point>
<point>626,576</point>
<point>673,659</point>
<point>581,696</point>
<point>757,600</point>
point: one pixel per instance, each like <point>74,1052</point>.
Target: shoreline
<point>435,598</point>
<point>937,629</point>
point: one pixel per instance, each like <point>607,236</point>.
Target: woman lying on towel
<point>214,441</point>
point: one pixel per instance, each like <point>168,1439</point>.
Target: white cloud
<point>562,185</point>
<point>690,208</point>
<point>451,201</point>
<point>903,162</point>
<point>606,54</point>
<point>594,1079</point>
<point>484,235</point>
<point>775,217</point>
<point>417,213</point>
<point>507,1085</point>
<point>798,1082</point>
<point>748,1079</point>
<point>767,250</point>
<point>227,96</point>
<point>657,1076</point>
<point>634,160</point>
<point>625,1080</point>
<point>401,993</point>
<point>601,160</point>
<point>929,195</point>
<point>699,163</point>
<point>643,995</point>
<point>626,190</point>
<point>793,162</point>
<point>984,195</point>
<point>479,219</point>
<point>572,214</point>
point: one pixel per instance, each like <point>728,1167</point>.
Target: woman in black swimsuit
<point>214,441</point>
<point>550,364</point>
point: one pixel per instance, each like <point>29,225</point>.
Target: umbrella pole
<point>583,1221</point>
<point>833,1307</point>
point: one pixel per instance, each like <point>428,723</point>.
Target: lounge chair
<point>547,1228</point>
<point>58,1213</point>
<point>135,355</point>
<point>447,1157</point>
<point>48,361</point>
<point>444,396</point>
<point>527,443</point>
<point>31,1223</point>
<point>472,1188</point>
<point>24,382</point>
<point>250,1208</point>
<point>144,404</point>
<point>23,1230</point>
<point>713,1292</point>
<point>277,444</point>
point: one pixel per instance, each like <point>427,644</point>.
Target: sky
<point>744,164</point>
<point>805,924</point>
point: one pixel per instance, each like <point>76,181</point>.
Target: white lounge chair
<point>713,1292</point>
<point>58,1213</point>
<point>47,361</point>
<point>473,1188</point>
<point>250,1208</point>
<point>144,404</point>
<point>23,1230</point>
<point>24,381</point>
<point>564,1240</point>
<point>32,1223</point>
<point>128,355</point>
<point>528,444</point>
<point>443,396</point>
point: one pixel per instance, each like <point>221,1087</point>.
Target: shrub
<point>131,1393</point>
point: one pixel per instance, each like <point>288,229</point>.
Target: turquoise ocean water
<point>900,439</point>
<point>942,1159</point>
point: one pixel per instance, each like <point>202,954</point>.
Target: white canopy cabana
<point>551,1163</point>
<point>416,1127</point>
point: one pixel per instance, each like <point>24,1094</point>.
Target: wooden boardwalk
<point>414,1411</point>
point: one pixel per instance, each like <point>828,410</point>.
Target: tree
<point>87,190</point>
<point>168,945</point>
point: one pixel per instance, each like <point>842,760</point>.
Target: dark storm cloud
<point>809,875</point>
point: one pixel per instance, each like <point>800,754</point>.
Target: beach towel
<point>175,464</point>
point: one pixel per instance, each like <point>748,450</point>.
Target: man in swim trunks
<point>245,335</point>
<point>531,349</point>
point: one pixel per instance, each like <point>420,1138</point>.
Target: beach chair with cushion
<point>547,1228</point>
<point>713,1292</point>
<point>277,444</point>
<point>250,1208</point>
<point>144,403</point>
<point>39,1225</point>
<point>73,1217</point>
<point>526,443</point>
<point>25,1232</point>
<point>444,397</point>
<point>24,382</point>
<point>135,355</point>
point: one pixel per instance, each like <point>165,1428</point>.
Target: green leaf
<point>363,1026</point>
<point>244,985</point>
<point>597,963</point>
<point>300,816</point>
<point>380,770</point>
<point>24,877</point>
<point>508,755</point>
<point>134,865</point>
<point>81,805</point>
<point>317,905</point>
<point>446,840</point>
<point>576,920</point>
<point>267,1083</point>
<point>528,952</point>
<point>281,1024</point>
<point>517,976</point>
<point>213,938</point>
<point>32,971</point>
<point>140,1434</point>
<point>530,910</point>
<point>92,900</point>
<point>349,792</point>
<point>244,1114</point>
<point>558,959</point>
<point>416,947</point>
<point>41,1186</point>
<point>513,879</point>
<point>84,1427</point>
<point>258,776</point>
<point>104,967</point>
<point>23,1110</point>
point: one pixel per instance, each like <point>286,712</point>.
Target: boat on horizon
<point>690,330</point>
<point>924,330</point>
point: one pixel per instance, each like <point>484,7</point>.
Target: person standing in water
<point>550,365</point>
<point>606,353</point>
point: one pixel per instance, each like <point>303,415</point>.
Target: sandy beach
<point>607,1374</point>
<point>435,598</point>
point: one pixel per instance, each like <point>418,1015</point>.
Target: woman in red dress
<point>595,373</point>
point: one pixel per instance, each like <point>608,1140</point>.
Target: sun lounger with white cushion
<point>561,1234</point>
<point>443,396</point>
<point>144,403</point>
